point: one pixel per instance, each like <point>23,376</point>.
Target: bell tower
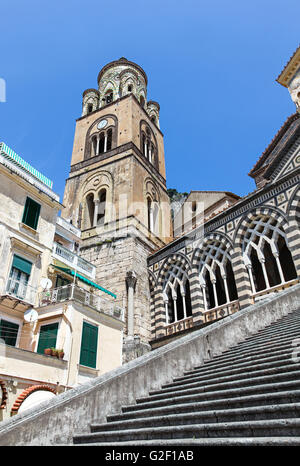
<point>116,191</point>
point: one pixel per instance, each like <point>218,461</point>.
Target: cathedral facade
<point>116,194</point>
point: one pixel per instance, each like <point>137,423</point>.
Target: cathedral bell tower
<point>116,191</point>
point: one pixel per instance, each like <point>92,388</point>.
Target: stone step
<point>215,385</point>
<point>286,411</point>
<point>261,428</point>
<point>289,336</point>
<point>198,381</point>
<point>262,399</point>
<point>205,442</point>
<point>269,331</point>
<point>242,362</point>
<point>244,354</point>
<point>252,351</point>
<point>149,402</point>
<point>264,363</point>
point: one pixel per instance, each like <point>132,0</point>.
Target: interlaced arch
<point>265,251</point>
<point>175,284</point>
<point>213,260</point>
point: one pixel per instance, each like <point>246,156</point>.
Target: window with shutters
<point>19,276</point>
<point>89,342</point>
<point>31,213</point>
<point>47,338</point>
<point>8,332</point>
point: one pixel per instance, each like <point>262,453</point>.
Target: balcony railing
<point>76,293</point>
<point>20,290</point>
<point>73,260</point>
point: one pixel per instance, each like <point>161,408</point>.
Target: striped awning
<point>85,280</point>
<point>15,158</point>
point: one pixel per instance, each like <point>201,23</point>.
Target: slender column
<point>98,144</point>
<point>262,261</point>
<point>175,308</point>
<point>215,293</point>
<point>145,148</point>
<point>226,289</point>
<point>96,207</point>
<point>249,268</point>
<point>184,305</point>
<point>150,154</point>
<point>203,287</point>
<point>131,283</point>
<point>105,142</point>
<point>276,255</point>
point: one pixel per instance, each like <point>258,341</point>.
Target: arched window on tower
<point>94,146</point>
<point>101,207</point>
<point>90,108</point>
<point>109,139</point>
<point>90,209</point>
<point>109,96</point>
<point>129,88</point>
<point>153,119</point>
<point>101,143</point>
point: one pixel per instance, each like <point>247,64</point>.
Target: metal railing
<point>73,260</point>
<point>76,293</point>
<point>21,290</point>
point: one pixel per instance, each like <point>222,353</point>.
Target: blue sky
<point>211,66</point>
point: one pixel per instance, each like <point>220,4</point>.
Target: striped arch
<point>212,264</point>
<point>173,282</point>
<point>261,240</point>
<point>153,294</point>
<point>293,229</point>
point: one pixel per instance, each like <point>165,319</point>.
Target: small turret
<point>90,101</point>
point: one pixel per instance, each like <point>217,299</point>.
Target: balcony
<point>74,261</point>
<point>18,294</point>
<point>76,293</point>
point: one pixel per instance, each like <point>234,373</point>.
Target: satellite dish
<point>30,315</point>
<point>46,283</point>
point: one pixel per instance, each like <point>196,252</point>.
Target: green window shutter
<point>89,341</point>
<point>22,264</point>
<point>9,332</point>
<point>31,213</point>
<point>47,339</point>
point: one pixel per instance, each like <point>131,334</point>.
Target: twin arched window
<point>102,142</point>
<point>95,209</point>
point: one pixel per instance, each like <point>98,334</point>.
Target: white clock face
<point>102,124</point>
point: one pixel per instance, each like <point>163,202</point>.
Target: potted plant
<point>60,353</point>
<point>54,352</point>
<point>48,351</point>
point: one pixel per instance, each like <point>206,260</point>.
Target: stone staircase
<point>248,395</point>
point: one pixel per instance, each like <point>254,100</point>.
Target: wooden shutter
<point>47,339</point>
<point>31,213</point>
<point>89,341</point>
